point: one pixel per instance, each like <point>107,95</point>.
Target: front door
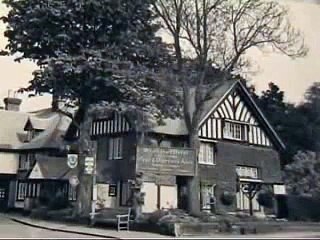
<point>182,192</point>
<point>4,195</point>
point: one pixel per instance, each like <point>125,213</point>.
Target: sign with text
<point>169,161</point>
<point>89,165</point>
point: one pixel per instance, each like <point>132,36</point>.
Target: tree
<point>286,120</point>
<point>302,176</point>
<point>310,108</point>
<point>99,54</point>
<point>218,34</point>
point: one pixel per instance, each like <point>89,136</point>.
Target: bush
<point>227,198</point>
<point>156,216</point>
<point>59,202</point>
<point>265,199</point>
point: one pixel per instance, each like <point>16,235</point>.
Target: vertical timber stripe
<point>117,124</point>
<point>233,107</point>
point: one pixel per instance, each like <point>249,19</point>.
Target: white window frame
<point>247,172</point>
<point>235,131</point>
<point>72,193</point>
<point>205,194</point>
<point>25,161</point>
<point>115,148</point>
<point>25,189</point>
<point>21,190</point>
<point>207,153</point>
<point>243,201</point>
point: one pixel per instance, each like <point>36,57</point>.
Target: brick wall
<point>228,156</point>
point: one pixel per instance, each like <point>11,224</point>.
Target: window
<point>243,202</point>
<point>112,190</point>
<point>235,131</point>
<point>72,193</point>
<point>125,193</point>
<point>207,191</point>
<point>115,148</point>
<point>207,153</point>
<point>247,172</point>
<point>30,190</point>
<point>26,161</point>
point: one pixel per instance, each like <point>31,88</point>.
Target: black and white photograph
<point>150,119</point>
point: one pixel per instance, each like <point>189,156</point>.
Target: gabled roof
<point>228,88</point>
<point>177,126</point>
<point>51,168</point>
<point>52,136</point>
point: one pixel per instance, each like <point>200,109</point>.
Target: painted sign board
<point>89,165</point>
<point>279,189</point>
<point>168,161</point>
<point>72,160</point>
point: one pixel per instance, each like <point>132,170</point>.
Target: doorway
<point>182,187</point>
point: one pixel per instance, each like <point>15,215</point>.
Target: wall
<point>9,163</point>
<point>104,200</point>
<point>151,197</point>
<point>112,171</point>
<point>168,196</point>
<point>228,156</point>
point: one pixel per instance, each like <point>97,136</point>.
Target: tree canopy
<point>92,51</point>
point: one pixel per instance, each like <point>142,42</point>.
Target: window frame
<point>213,187</point>
<point>202,156</point>
<point>235,128</point>
<point>29,190</point>
<point>115,148</point>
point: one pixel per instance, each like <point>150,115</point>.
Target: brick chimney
<point>12,104</point>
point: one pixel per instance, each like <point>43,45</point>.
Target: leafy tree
<point>302,176</point>
<point>99,54</point>
<point>310,108</point>
<point>285,118</point>
<point>217,34</point>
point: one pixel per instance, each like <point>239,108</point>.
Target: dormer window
<point>235,131</point>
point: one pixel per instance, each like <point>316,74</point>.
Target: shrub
<point>156,216</point>
<point>265,199</point>
<point>59,202</point>
<point>227,198</point>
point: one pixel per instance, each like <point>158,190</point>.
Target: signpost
<point>72,160</point>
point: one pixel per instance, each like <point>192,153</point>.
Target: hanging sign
<point>72,160</point>
<point>89,165</point>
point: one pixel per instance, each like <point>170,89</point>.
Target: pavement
<point>15,226</point>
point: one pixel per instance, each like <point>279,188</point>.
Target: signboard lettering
<point>171,161</point>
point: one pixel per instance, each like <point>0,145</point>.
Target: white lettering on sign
<point>279,189</point>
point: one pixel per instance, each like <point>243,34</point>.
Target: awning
<point>51,168</point>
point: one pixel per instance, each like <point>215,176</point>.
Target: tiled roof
<point>54,167</point>
<point>52,136</point>
<point>178,126</point>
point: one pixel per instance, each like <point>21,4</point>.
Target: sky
<point>292,76</point>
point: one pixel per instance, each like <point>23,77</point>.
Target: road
<point>11,229</point>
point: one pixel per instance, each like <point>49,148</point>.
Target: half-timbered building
<point>236,139</point>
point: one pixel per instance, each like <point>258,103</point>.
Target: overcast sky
<point>293,76</point>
